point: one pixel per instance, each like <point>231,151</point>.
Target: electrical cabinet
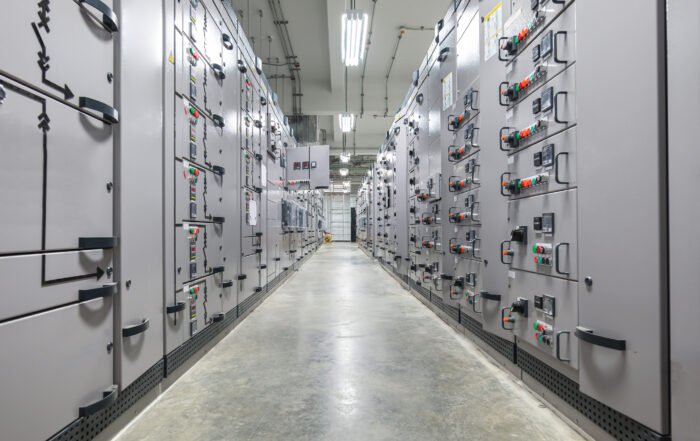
<point>523,206</point>
<point>147,199</point>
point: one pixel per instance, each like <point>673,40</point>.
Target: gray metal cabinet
<point>37,49</point>
<point>55,365</point>
<point>62,161</point>
<point>684,168</point>
<point>51,280</point>
<point>622,222</point>
<point>139,209</point>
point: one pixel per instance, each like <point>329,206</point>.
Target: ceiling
<point>314,31</point>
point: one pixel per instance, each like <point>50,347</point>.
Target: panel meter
<point>548,223</point>
<point>548,155</point>
<point>546,44</point>
<point>547,100</point>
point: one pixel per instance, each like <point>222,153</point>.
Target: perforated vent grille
<point>451,311</point>
<point>503,346</point>
<point>177,357</point>
<point>85,429</point>
<point>248,303</point>
<point>613,422</point>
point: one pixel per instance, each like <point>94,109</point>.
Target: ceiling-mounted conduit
<point>286,43</point>
<point>402,32</point>
<point>364,64</point>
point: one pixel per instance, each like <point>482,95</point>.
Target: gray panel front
<point>59,185</point>
<point>54,363</point>
<point>684,168</point>
<point>50,280</point>
<point>60,47</point>
<point>622,231</point>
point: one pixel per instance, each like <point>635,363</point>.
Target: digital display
<point>548,223</point>
<point>547,99</point>
<point>548,305</point>
<point>537,223</point>
<point>537,159</point>
<point>548,155</point>
<point>536,106</point>
<point>546,44</point>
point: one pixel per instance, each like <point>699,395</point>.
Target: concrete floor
<point>342,352</point>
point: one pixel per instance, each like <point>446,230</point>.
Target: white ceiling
<point>314,29</point>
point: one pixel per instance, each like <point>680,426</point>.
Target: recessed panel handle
<point>109,18</point>
<point>589,336</point>
<point>109,396</point>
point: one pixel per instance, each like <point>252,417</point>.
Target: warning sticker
<point>493,30</point>
<point>447,92</point>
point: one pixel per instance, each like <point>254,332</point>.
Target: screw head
<point>109,271</point>
<point>110,77</point>
<point>109,186</point>
<point>110,346</point>
<point>588,280</point>
<point>128,284</point>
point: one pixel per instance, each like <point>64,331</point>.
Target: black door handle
<point>96,293</point>
<point>556,107</point>
<point>218,120</point>
<point>488,296</point>
<point>218,71</point>
<point>226,39</point>
<point>557,179</point>
<point>109,113</point>
<point>109,18</point>
<point>172,309</point>
<point>588,336</point>
<point>556,258</point>
<point>97,242</point>
<point>109,396</point>
<point>227,283</point>
<point>218,317</point>
<point>559,334</point>
<point>136,329</point>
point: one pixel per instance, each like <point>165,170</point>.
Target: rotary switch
<point>519,234</point>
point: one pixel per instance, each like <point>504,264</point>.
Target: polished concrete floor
<point>342,352</point>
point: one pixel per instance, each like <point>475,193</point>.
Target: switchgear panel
<point>511,188</point>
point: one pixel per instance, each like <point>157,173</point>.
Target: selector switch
<point>519,234</point>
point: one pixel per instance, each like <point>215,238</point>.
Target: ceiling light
<point>354,36</point>
<point>347,122</point>
<point>344,171</point>
<point>345,157</point>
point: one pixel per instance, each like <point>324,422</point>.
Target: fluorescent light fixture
<point>345,157</point>
<point>347,122</point>
<point>344,171</point>
<point>354,36</point>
